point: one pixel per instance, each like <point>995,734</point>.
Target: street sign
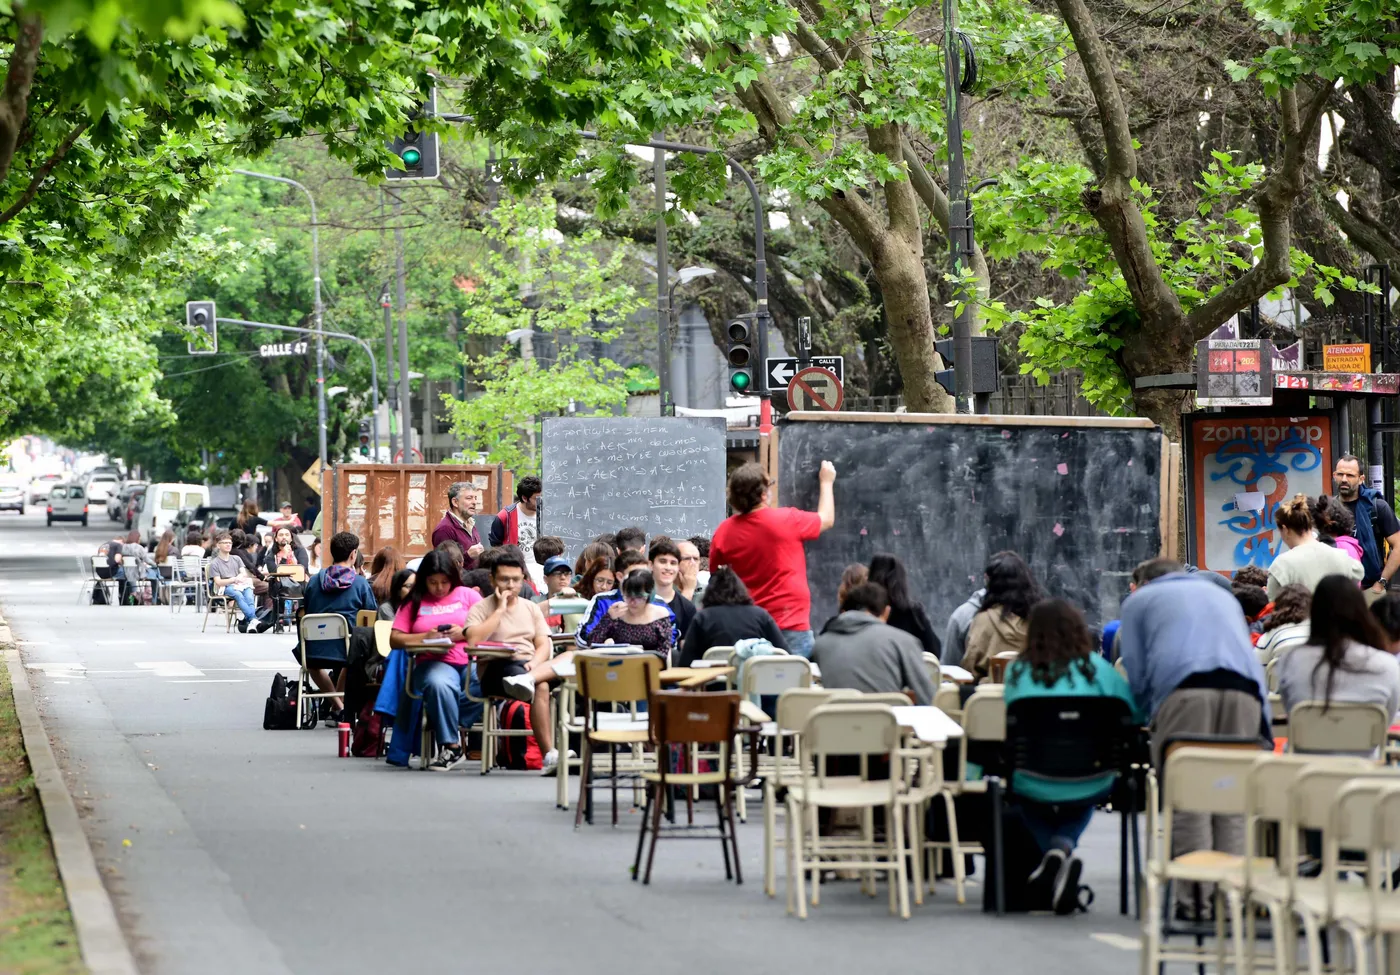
<point>1236,372</point>
<point>1346,358</point>
<point>815,388</point>
<point>312,479</point>
<point>781,371</point>
<point>275,349</point>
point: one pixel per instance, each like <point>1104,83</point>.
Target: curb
<point>100,936</point>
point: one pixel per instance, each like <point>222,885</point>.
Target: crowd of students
<point>1191,647</point>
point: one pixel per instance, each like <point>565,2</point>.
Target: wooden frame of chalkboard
<point>912,500</point>
<point>1243,447</point>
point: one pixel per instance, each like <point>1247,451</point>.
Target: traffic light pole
<point>373,366</point>
<point>317,313</point>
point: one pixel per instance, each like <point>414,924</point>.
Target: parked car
<point>100,485</point>
<point>117,500</point>
<point>161,503</point>
<point>204,519</point>
<point>67,502</point>
<point>133,507</point>
<point>40,487</point>
<point>13,495</point>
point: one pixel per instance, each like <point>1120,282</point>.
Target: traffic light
<point>739,353</point>
<point>986,374</point>
<point>202,320</point>
<point>418,150</point>
<point>364,438</point>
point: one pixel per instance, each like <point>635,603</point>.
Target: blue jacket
<point>598,608</point>
<point>346,602</point>
<point>1183,624</point>
<point>407,723</point>
<point>1371,558</point>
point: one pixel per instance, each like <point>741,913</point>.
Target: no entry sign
<point>815,388</point>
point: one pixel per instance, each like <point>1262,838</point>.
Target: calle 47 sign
<point>274,349</point>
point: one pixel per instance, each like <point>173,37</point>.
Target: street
<point>230,849</point>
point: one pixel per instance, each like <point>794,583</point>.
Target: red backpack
<point>518,752</point>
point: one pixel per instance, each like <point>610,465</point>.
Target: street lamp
<point>317,312</point>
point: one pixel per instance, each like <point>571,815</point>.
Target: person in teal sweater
<point>1059,661</point>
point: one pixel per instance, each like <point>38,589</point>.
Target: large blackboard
<point>666,475</point>
<point>1080,503</point>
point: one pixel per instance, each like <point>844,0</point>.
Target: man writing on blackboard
<point>763,546</point>
<point>459,525</point>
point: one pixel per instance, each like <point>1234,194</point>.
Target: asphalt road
<point>229,849</point>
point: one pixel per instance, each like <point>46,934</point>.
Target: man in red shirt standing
<point>763,546</point>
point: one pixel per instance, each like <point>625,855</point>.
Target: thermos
<point>344,739</point>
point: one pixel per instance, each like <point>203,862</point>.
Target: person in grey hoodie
<point>955,637</point>
<point>859,650</point>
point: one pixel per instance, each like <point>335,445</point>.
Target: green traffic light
<point>740,381</point>
<point>411,156</point>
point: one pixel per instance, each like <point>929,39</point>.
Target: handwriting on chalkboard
<point>666,475</point>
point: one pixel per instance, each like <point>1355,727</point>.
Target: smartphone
<point>444,627</point>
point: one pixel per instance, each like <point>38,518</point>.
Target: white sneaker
<point>551,762</point>
<point>521,687</point>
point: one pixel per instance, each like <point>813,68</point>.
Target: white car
<point>40,487</point>
<point>99,486</point>
<point>68,502</point>
<point>13,496</point>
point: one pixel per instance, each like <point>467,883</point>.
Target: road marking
<point>63,668</point>
<point>1117,941</point>
<point>40,582</point>
<point>120,643</point>
<point>210,680</point>
<point>267,664</point>
<point>171,668</point>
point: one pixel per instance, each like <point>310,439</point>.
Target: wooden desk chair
<point>606,679</point>
<point>996,666</point>
<point>691,720</point>
<point>366,617</point>
<point>769,677</point>
<point>935,669</point>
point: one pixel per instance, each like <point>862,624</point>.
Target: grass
<point>36,930</point>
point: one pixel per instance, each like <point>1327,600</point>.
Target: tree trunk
<point>899,268</point>
<point>1156,348</point>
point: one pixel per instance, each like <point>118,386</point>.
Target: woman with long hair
<point>637,621</point>
<point>1000,625</point>
<point>1307,560</point>
<point>248,518</point>
<point>399,588</point>
<point>1287,626</point>
<point>387,564</point>
<point>906,612</point>
<point>728,616</point>
<point>435,614</point>
<point>597,578</point>
<point>1335,524</point>
<point>163,547</point>
<point>1059,661</point>
<point>1343,659</point>
<point>592,552</point>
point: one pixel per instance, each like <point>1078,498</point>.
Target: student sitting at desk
<point>507,618</point>
<point>1059,661</point>
<point>637,620</point>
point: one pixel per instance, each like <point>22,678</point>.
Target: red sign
<point>815,388</point>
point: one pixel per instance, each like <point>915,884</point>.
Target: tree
<point>561,298</point>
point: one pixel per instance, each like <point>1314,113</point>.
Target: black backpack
<point>280,711</point>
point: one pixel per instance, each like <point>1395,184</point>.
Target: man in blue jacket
<point>1194,672</point>
<point>338,588</point>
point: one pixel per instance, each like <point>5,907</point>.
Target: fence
<point>1018,396</point>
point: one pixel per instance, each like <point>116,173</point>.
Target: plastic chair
<point>935,669</point>
<point>185,581</point>
<point>688,720</point>
<point>1315,727</point>
<point>318,626</point>
<point>984,726</point>
<point>794,706</point>
<point>382,629</point>
<point>718,653</point>
<point>844,729</point>
<point>609,679</point>
<point>769,677</point>
<point>111,589</point>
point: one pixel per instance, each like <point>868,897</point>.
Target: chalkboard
<point>1079,498</point>
<point>666,475</point>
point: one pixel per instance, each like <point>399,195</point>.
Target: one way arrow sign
<point>781,371</point>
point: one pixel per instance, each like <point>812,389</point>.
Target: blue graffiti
<point>1245,460</point>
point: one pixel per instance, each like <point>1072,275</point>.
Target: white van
<point>161,503</point>
<point>67,502</point>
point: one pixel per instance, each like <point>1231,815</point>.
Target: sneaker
<point>448,758</point>
<point>551,762</point>
<point>242,626</point>
<point>1067,886</point>
<point>1049,867</point>
<point>521,687</point>
<point>254,626</point>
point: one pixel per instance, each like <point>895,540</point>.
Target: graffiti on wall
<point>1242,469</point>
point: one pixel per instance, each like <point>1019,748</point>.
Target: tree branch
<point>42,173</point>
<point>14,98</point>
<point>936,200</point>
<point>1098,70</point>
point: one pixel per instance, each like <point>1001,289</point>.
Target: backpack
<point>99,595</point>
<point>517,752</point>
<point>280,711</point>
<point>367,740</point>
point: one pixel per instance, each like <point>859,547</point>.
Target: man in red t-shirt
<point>763,546</point>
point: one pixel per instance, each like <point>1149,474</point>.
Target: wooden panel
<point>399,504</point>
